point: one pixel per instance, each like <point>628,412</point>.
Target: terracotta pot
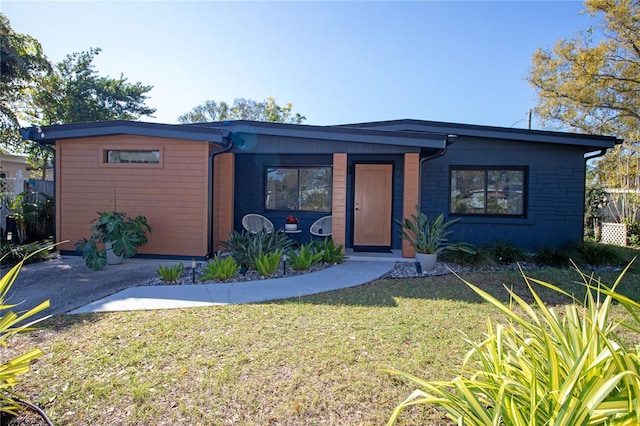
<point>427,261</point>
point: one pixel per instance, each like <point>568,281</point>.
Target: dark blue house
<point>522,186</point>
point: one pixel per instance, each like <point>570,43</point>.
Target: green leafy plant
<point>245,246</point>
<point>267,263</point>
<point>304,258</point>
<point>429,236</point>
<point>171,273</point>
<point>553,256</point>
<point>596,254</point>
<point>10,401</point>
<point>220,268</point>
<point>543,367</point>
<point>505,252</point>
<point>331,253</point>
<point>125,234</point>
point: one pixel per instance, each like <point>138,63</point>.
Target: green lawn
<point>310,361</point>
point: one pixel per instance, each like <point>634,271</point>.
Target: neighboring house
<point>195,182</point>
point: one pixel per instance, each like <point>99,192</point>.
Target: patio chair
<point>321,227</point>
<point>255,223</point>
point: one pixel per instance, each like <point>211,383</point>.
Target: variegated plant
<point>543,367</point>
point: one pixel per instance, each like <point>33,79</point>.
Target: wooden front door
<point>372,205</point>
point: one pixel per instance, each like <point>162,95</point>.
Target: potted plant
<point>291,223</point>
<point>120,234</point>
<point>429,237</point>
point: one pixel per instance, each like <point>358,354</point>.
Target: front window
<point>487,191</point>
<point>299,189</point>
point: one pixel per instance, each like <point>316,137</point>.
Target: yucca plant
<point>543,367</point>
<point>304,258</point>
<point>171,273</point>
<point>220,268</point>
<point>267,263</point>
<point>10,401</point>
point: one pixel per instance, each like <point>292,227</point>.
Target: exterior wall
<point>173,195</point>
<point>555,196</point>
<point>410,198</point>
<point>339,202</point>
<point>250,188</point>
<point>223,196</point>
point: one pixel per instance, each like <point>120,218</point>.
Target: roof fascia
<point>472,130</point>
<point>49,134</point>
<point>343,134</point>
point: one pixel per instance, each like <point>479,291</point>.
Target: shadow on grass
<point>387,292</point>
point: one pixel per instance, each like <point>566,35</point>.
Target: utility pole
<point>529,119</point>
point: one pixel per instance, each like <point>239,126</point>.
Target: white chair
<point>255,223</point>
<point>321,227</point>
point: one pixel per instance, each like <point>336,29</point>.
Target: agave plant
<point>543,367</point>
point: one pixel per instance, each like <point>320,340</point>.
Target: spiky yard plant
<point>543,367</point>
<point>171,273</point>
<point>304,258</point>
<point>10,324</point>
<point>331,252</point>
<point>267,263</point>
<point>220,268</point>
<point>245,246</point>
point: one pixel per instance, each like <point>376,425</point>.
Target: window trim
<point>265,173</point>
<point>486,169</point>
<point>103,152</point>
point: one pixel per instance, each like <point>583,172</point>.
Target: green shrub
<point>304,258</point>
<point>171,273</point>
<point>331,253</point>
<point>29,253</point>
<point>543,367</point>
<point>552,256</point>
<point>245,246</point>
<point>220,268</point>
<point>598,254</point>
<point>505,252</point>
<point>267,263</point>
<point>481,257</point>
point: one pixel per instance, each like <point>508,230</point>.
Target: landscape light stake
<point>193,271</point>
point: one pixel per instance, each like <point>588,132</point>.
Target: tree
<point>242,109</point>
<point>593,87</point>
<point>22,61</point>
<point>74,92</point>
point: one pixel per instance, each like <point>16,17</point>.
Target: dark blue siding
<point>250,187</point>
<point>555,183</point>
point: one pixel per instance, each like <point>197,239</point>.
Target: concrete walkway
<point>348,274</point>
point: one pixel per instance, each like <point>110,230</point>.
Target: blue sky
<point>337,62</point>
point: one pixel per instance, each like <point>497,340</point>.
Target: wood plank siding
<point>173,194</point>
<point>410,198</point>
<point>339,201</point>
<point>223,199</point>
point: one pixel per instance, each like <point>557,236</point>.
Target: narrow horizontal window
<point>299,189</point>
<point>121,156</point>
<point>489,191</point>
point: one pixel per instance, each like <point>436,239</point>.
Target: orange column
<point>339,201</point>
<point>223,188</point>
<point>411,194</point>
